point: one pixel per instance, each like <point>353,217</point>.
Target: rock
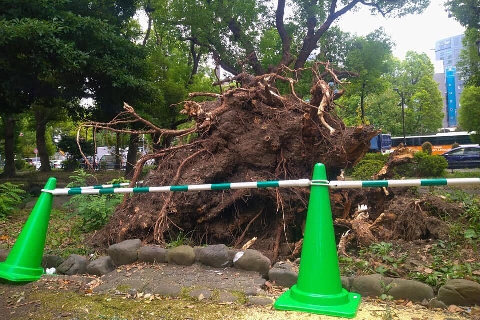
<point>101,266</point>
<point>181,255</point>
<point>346,282</point>
<point>152,254</point>
<point>225,297</point>
<point>460,292</point>
<point>4,255</point>
<point>200,294</point>
<point>370,285</point>
<point>437,304</point>
<point>74,264</point>
<point>166,290</point>
<point>259,301</point>
<point>410,290</point>
<point>253,260</point>
<point>216,256</point>
<point>283,275</point>
<point>51,261</point>
<point>124,252</point>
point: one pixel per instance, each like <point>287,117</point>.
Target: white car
<point>56,164</point>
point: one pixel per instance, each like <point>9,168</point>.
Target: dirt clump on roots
<point>252,133</point>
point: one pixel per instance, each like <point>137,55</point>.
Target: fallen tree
<point>250,133</point>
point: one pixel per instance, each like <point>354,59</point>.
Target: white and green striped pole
<point>109,189</point>
<point>105,186</point>
<point>192,187</point>
<point>401,183</point>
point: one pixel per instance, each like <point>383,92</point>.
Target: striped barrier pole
<point>102,186</point>
<point>193,187</point>
<point>401,183</point>
<point>105,186</point>
<point>109,189</point>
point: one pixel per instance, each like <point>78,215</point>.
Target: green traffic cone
<point>319,287</point>
<point>24,261</point>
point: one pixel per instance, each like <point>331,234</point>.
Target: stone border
<point>458,292</point>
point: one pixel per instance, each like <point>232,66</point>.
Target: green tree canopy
<point>469,113</point>
<point>55,53</point>
<point>228,30</point>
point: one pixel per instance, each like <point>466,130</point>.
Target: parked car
<point>91,160</point>
<point>56,164</point>
<point>109,162</point>
<point>34,162</point>
<point>463,157</point>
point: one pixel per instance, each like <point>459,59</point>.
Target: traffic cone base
<point>344,304</point>
<point>19,274</point>
<point>23,263</point>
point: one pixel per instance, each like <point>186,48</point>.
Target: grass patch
<point>108,307</point>
<point>64,236</point>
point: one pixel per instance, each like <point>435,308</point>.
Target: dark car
<point>463,157</point>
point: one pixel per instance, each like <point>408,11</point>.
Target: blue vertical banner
<point>451,97</point>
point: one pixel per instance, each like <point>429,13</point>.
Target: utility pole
<point>400,93</point>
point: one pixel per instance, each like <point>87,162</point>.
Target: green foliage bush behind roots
<point>427,147</point>
<point>365,169</point>
<point>94,210</point>
<point>10,198</point>
<point>423,166</point>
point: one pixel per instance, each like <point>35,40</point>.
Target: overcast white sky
<point>416,32</point>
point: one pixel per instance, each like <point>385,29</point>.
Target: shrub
<point>20,164</point>
<point>423,166</point>
<point>70,164</point>
<point>94,210</point>
<point>365,169</point>
<point>10,198</point>
<point>430,165</point>
<point>455,145</point>
<point>427,147</point>
<point>376,156</point>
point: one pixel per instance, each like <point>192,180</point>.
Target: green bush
<point>70,164</point>
<point>10,198</point>
<point>94,210</point>
<point>423,166</point>
<point>365,169</point>
<point>427,147</point>
<point>20,164</point>
<point>376,156</point>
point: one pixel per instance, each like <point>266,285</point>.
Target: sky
<point>415,32</point>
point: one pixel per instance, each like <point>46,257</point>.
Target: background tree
<point>413,77</point>
<point>63,51</point>
<point>371,58</point>
<point>469,113</point>
<point>467,13</point>
<point>233,27</point>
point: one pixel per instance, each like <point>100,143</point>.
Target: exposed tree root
<point>242,236</point>
<point>161,223</point>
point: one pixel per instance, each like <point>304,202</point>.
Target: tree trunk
<point>9,169</point>
<point>40,128</point>
<point>118,156</point>
<point>131,156</point>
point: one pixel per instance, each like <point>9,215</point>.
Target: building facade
<point>448,51</point>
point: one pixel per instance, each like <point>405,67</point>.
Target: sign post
<point>36,153</point>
